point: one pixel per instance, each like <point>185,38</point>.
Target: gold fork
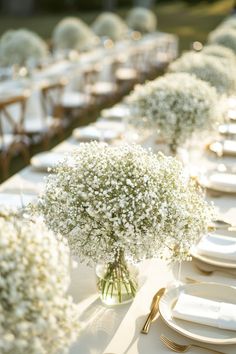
<point>180,348</point>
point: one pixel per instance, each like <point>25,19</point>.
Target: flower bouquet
<point>17,47</point>
<point>225,37</point>
<point>142,20</point>
<point>36,314</point>
<point>72,33</point>
<point>219,74</point>
<point>123,204</point>
<point>176,106</point>
<point>110,25</point>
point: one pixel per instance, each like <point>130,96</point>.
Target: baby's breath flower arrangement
<point>142,20</point>
<point>19,46</point>
<point>219,51</point>
<point>228,23</point>
<point>176,105</point>
<point>119,203</point>
<point>224,36</point>
<point>221,75</point>
<point>110,25</point>
<point>72,33</point>
<point>36,315</point>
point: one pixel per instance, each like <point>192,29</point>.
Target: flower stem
<point>117,283</point>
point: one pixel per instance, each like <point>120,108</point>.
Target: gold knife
<point>153,310</point>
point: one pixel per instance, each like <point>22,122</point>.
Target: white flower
<point>225,37</point>
<point>229,22</point>
<point>219,51</point>
<point>17,47</point>
<point>142,20</point>
<point>141,205</point>
<point>221,75</point>
<point>36,314</point>
<point>176,105</point>
<point>72,33</point>
<point>110,25</point>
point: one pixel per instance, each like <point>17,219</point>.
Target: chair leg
<point>5,159</point>
<point>45,142</point>
<point>25,153</point>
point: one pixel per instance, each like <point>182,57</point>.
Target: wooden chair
<point>104,91</point>
<point>12,141</point>
<point>50,121</point>
<point>76,102</point>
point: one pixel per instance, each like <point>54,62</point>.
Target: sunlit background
<point>192,20</point>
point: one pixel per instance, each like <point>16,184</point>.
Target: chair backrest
<point>51,95</point>
<point>11,118</point>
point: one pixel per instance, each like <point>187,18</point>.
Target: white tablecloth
<point>117,330</point>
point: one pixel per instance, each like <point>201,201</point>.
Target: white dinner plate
<point>226,129</point>
<point>223,148</point>
<point>218,181</point>
<point>118,127</point>
<point>118,112</point>
<point>16,200</point>
<point>212,260</point>
<point>45,160</point>
<point>91,133</point>
<point>196,331</point>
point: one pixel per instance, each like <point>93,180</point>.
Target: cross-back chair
<point>12,140</point>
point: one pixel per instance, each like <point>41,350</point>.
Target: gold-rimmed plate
<point>196,331</point>
<point>45,160</point>
<point>218,181</point>
<point>223,148</point>
<point>212,260</point>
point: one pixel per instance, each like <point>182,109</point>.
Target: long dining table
<point>117,329</point>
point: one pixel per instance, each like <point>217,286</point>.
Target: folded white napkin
<point>219,246</point>
<point>222,180</point>
<point>207,312</point>
<point>93,133</point>
<point>45,160</point>
<point>118,127</point>
<point>229,147</point>
<point>227,129</point>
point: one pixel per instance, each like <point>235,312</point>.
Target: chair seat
<point>9,139</point>
<point>39,125</point>
<point>75,100</point>
<point>103,88</point>
<point>126,74</point>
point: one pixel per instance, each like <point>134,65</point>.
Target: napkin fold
<point>220,180</point>
<point>219,246</point>
<point>94,133</point>
<point>207,312</point>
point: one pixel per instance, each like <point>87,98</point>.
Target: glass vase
<point>117,282</point>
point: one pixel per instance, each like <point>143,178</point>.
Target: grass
<point>189,22</point>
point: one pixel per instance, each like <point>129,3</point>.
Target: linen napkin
<point>207,312</point>
<point>229,147</point>
<point>93,133</point>
<point>219,246</point>
<point>223,180</point>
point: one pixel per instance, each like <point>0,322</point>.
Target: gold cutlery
<point>212,271</point>
<point>153,310</point>
<point>181,348</point>
<point>221,225</point>
<point>192,281</point>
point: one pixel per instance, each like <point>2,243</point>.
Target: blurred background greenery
<point>191,20</point>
